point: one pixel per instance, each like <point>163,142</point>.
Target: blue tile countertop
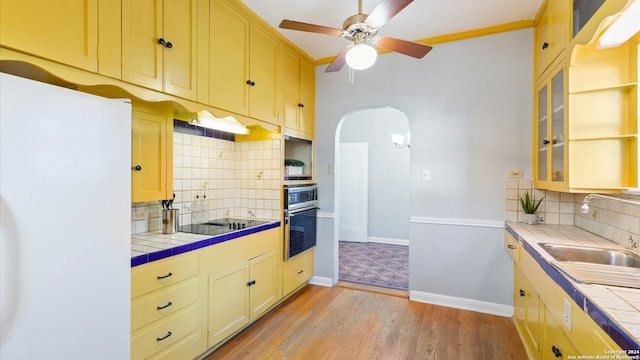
<point>615,309</point>
<point>153,246</point>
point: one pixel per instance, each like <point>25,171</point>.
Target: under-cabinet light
<point>227,124</point>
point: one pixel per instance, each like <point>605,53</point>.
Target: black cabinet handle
<point>556,351</point>
<point>301,105</point>
<point>164,276</point>
<point>164,337</point>
<point>300,272</point>
<point>164,306</point>
<point>169,45</point>
<point>161,41</point>
<point>545,45</point>
<point>521,293</point>
<point>251,83</point>
<point>546,142</point>
<point>511,247</point>
<point>252,282</point>
<point>137,168</point>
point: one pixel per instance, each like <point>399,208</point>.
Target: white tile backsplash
<point>240,179</point>
<point>612,220</point>
<point>556,208</point>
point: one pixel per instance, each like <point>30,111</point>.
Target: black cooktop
<point>220,226</point>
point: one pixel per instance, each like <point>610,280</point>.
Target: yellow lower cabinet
<point>162,273</point>
<point>263,292</point>
<point>526,313</point>
<point>239,294</point>
<point>588,336</point>
<point>297,271</point>
<point>165,335</point>
<point>555,344</point>
<point>538,316</point>
<point>164,309</point>
<point>228,302</point>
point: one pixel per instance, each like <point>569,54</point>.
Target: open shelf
<point>624,86</point>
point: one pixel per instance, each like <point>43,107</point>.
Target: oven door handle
<point>287,234</point>
<point>289,213</point>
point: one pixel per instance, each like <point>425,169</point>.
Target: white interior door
<point>354,202</point>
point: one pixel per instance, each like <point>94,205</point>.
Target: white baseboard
<point>462,303</point>
<point>321,281</point>
<point>389,241</point>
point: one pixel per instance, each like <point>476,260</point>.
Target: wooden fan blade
<point>296,25</point>
<point>385,10</point>
<point>416,50</point>
<point>339,61</point>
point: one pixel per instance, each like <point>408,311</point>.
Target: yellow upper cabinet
<point>151,156</point>
<point>65,31</point>
<point>551,33</point>
<point>299,94</point>
<point>243,64</point>
<point>549,153</point>
<point>159,41</point>
<point>585,123</point>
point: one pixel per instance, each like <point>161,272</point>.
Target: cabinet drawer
<point>187,348</point>
<point>512,246</point>
<point>158,274</point>
<point>161,334</point>
<point>162,303</point>
<point>297,271</point>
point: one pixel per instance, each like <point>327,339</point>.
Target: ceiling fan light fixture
<point>361,56</point>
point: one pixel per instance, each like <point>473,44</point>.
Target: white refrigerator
<point>65,186</point>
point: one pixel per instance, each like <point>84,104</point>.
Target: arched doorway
<point>372,198</point>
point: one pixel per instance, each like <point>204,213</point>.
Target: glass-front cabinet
<point>549,130</point>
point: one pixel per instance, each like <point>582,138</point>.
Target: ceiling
<point>419,20</point>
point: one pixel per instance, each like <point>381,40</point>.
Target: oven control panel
<point>300,195</point>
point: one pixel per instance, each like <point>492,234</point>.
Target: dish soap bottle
<point>203,208</point>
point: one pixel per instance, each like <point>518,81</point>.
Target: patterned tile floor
<point>374,264</point>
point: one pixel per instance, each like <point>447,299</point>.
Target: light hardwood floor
<point>342,323</point>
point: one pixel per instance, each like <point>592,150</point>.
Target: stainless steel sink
<point>591,265</point>
<point>592,255</point>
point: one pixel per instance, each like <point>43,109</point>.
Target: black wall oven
<point>300,209</point>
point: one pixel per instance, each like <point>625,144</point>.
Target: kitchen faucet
<point>585,203</point>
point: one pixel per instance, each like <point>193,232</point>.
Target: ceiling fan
<point>362,29</point>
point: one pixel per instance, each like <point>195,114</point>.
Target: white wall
<point>469,109</point>
<point>388,193</point>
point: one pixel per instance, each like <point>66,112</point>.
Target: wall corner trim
<point>458,222</point>
<point>462,303</point>
<point>321,281</point>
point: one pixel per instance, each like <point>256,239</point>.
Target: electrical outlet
<point>566,315</point>
<point>186,208</point>
<point>426,175</point>
<point>516,173</point>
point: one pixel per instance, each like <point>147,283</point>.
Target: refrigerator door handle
<point>9,269</point>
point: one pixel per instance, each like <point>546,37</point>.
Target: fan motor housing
<point>355,19</point>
